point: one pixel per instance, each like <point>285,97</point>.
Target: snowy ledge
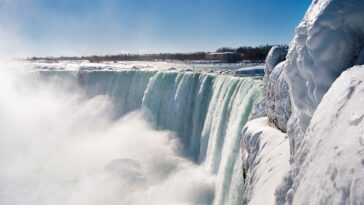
<point>265,153</point>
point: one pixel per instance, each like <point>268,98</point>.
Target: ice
<point>326,125</point>
<point>329,164</point>
<point>265,152</point>
<point>327,42</point>
<point>276,55</point>
<point>276,89</point>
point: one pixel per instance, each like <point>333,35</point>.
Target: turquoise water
<point>206,111</point>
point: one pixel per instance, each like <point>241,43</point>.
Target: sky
<point>85,27</point>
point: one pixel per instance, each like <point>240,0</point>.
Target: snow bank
<point>265,153</point>
<point>328,41</point>
<point>276,89</point>
<point>330,161</point>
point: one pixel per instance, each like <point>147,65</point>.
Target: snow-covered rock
<point>276,55</point>
<point>276,89</point>
<point>329,40</point>
<point>330,161</point>
<point>265,153</point>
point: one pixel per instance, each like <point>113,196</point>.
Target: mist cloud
<point>58,147</point>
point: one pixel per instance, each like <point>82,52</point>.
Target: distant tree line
<point>249,52</point>
<point>258,53</point>
<point>130,57</point>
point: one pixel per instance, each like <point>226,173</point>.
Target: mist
<point>59,147</point>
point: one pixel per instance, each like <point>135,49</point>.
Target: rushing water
<point>206,111</point>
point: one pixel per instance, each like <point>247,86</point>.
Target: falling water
<point>206,111</point>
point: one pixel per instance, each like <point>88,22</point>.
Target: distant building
<point>228,57</point>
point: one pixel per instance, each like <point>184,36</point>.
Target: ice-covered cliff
<point>329,165</point>
<point>276,89</point>
<point>325,112</point>
<point>328,41</point>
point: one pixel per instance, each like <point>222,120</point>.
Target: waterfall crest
<point>207,112</point>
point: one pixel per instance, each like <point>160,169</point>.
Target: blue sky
<point>55,27</point>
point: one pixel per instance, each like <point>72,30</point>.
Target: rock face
<point>329,165</point>
<point>276,89</point>
<point>329,40</point>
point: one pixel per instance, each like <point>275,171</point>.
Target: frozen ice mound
<point>329,40</point>
<point>276,55</point>
<point>329,163</point>
<point>276,89</point>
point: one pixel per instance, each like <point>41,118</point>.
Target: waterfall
<point>206,111</point>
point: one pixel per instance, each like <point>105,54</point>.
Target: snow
<point>325,126</point>
<point>265,154</point>
<point>276,89</point>
<point>328,41</point>
<point>276,55</point>
<point>326,116</point>
<point>259,110</point>
<point>278,98</point>
<point>329,164</point>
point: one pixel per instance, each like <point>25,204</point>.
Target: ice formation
<point>265,152</point>
<point>276,89</point>
<point>276,55</point>
<point>325,128</point>
<point>327,42</point>
<point>330,161</point>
